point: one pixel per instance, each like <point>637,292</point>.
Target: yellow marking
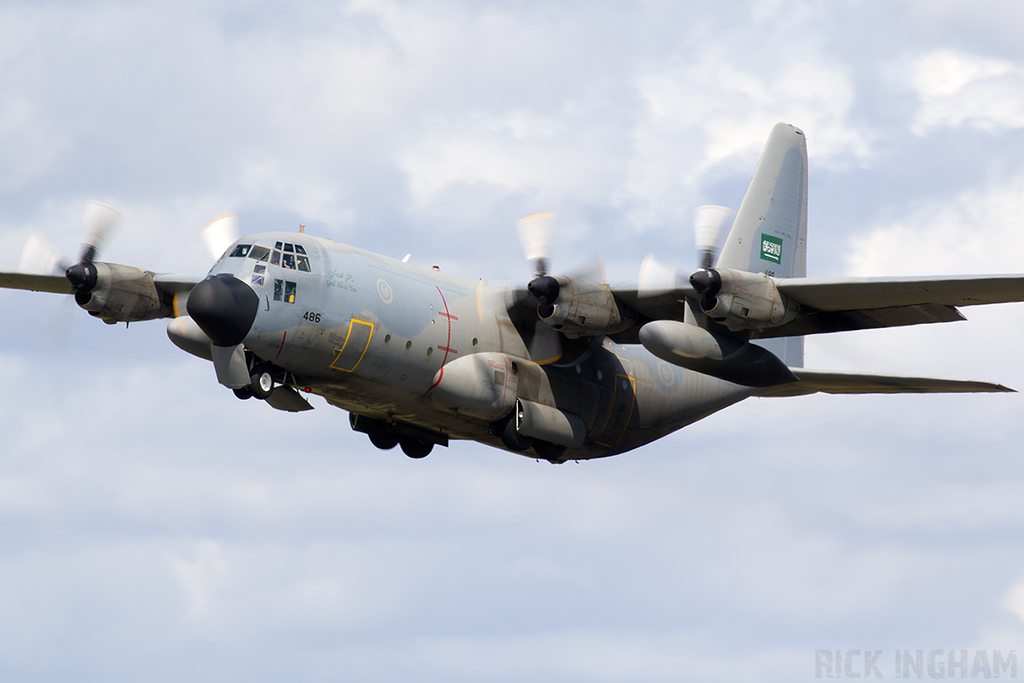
<point>548,360</point>
<point>174,306</point>
<point>351,325</point>
<point>611,412</point>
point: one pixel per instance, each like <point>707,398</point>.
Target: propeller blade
<point>656,277</point>
<point>535,234</point>
<point>219,234</point>
<point>57,328</point>
<point>100,219</point>
<point>40,257</point>
<point>709,221</point>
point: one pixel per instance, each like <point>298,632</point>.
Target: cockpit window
<point>288,247</point>
<point>284,291</point>
<point>259,253</point>
<point>276,258</point>
<point>299,249</point>
<point>288,260</point>
<point>241,251</point>
<point>302,262</point>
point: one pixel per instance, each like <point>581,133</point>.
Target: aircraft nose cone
<point>224,307</point>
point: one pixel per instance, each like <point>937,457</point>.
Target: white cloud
<point>976,231</point>
<point>957,89</point>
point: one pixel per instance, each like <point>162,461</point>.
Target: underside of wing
<point>815,381</point>
<point>57,284</point>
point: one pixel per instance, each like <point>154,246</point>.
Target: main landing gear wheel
<point>550,452</point>
<point>243,393</point>
<point>415,448</point>
<point>513,440</point>
<point>261,382</point>
<point>381,436</point>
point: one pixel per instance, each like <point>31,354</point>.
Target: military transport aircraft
<point>561,368</point>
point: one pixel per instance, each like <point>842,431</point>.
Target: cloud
<point>957,89</point>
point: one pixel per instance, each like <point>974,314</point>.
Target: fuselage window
<point>259,253</point>
<point>241,251</point>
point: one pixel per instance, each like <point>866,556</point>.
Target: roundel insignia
<point>666,375</point>
<point>384,290</point>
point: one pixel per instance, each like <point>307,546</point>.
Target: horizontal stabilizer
<point>815,381</point>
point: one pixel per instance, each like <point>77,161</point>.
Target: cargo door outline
<point>621,405</point>
<point>357,341</point>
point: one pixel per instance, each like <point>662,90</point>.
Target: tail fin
<point>769,234</point>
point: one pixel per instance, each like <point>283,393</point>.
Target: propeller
<point>535,235</point>
<point>219,234</point>
<point>708,223</point>
<point>41,257</point>
<point>657,278</point>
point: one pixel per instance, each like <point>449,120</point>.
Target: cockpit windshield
<point>284,254</point>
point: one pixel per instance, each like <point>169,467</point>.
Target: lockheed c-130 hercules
<point>561,368</point>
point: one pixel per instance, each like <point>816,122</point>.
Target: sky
<point>155,528</point>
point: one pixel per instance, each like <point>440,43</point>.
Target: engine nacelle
<point>482,385</point>
<point>122,294</point>
<point>741,300</point>
<point>585,308</point>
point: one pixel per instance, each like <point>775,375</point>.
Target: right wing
<point>57,284</point>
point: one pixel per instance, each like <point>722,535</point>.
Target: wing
<point>57,284</point>
<point>836,305</point>
<point>814,381</point>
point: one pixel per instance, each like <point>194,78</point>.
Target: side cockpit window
<point>240,251</point>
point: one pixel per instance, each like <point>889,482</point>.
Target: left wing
<point>841,304</point>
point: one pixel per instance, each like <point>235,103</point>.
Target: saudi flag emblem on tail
<point>771,249</point>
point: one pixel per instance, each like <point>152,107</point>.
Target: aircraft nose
<point>224,307</point>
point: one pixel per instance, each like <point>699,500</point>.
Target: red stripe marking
<point>281,348</point>
<point>444,348</point>
<point>447,315</point>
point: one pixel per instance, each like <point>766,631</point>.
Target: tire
<point>550,452</point>
<point>243,393</point>
<point>415,448</point>
<point>513,440</point>
<point>261,382</point>
<point>381,437</point>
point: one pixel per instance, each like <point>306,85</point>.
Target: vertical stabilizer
<point>769,234</point>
